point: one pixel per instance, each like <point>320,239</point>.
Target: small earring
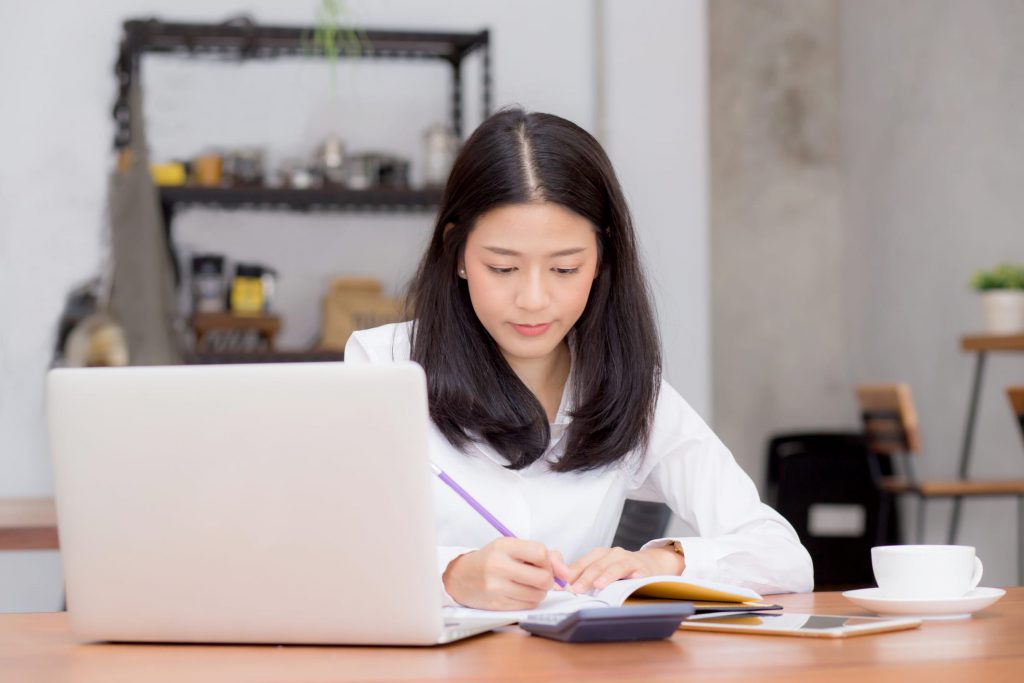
<point>462,272</point>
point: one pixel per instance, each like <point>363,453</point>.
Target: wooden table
<point>990,646</point>
<point>28,524</point>
<point>981,345</point>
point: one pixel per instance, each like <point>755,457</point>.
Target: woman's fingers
<point>608,566</point>
<point>560,569</point>
<point>528,596</point>
<point>532,563</point>
<point>535,577</point>
<point>508,573</point>
<point>512,573</point>
<point>630,569</point>
<point>576,568</point>
<point>530,552</point>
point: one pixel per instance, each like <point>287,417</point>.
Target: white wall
<point>56,130</point>
<point>656,103</point>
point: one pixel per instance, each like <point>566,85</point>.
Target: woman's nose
<point>532,295</point>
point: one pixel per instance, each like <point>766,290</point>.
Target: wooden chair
<point>891,428</point>
<point>1016,395</point>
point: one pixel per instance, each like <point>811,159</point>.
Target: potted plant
<point>1002,296</point>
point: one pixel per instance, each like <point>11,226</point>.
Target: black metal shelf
<point>292,199</point>
<point>242,39</point>
<point>225,358</point>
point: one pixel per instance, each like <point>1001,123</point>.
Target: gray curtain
<point>142,294</point>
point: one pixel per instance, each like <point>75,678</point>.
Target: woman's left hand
<point>601,566</point>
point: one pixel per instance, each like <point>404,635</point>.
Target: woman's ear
<point>461,269</point>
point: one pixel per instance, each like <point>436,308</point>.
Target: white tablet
<point>789,624</point>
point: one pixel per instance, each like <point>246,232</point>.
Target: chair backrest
<point>820,478</point>
<point>1016,395</point>
<point>889,418</point>
<point>641,521</point>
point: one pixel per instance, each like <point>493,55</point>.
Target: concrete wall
<point>933,138</point>
<point>778,330</point>
<point>866,159</point>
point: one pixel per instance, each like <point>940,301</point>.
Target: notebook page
<point>556,601</point>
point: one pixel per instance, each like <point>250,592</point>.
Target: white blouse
<point>733,537</point>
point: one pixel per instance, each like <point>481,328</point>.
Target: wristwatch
<point>678,547</point>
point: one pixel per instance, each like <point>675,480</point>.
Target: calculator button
<point>546,618</point>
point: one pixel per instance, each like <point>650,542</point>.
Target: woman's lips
<point>531,330</point>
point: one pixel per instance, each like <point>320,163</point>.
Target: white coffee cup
<point>926,572</point>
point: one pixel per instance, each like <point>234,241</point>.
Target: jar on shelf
<point>440,146</point>
<point>207,283</point>
<point>247,289</point>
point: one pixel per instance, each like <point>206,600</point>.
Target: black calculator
<point>608,624</point>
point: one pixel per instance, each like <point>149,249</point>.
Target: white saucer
<point>948,608</point>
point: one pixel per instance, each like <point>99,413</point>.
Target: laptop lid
<point>286,503</point>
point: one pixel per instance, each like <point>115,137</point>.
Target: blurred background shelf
<point>225,358</point>
<point>293,199</point>
<point>28,524</point>
<point>243,39</point>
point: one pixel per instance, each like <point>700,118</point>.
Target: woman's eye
<point>500,270</point>
<point>567,271</point>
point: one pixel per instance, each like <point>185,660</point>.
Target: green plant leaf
<point>1002,276</point>
<point>330,38</point>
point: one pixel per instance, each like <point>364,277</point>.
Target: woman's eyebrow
<point>501,251</point>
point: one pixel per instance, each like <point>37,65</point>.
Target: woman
<point>532,320</point>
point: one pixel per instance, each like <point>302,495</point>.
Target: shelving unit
<point>291,199</point>
<point>214,358</point>
<point>243,39</point>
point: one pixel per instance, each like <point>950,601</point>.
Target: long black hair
<point>516,157</point>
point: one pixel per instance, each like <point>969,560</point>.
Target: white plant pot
<point>1004,311</point>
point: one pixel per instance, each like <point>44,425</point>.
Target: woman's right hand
<point>506,574</point>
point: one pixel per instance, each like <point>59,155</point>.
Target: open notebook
<point>707,596</point>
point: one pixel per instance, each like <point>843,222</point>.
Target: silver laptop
<point>285,503</point>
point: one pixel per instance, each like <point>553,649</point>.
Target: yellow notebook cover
<point>676,588</point>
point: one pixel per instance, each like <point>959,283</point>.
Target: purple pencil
<point>491,519</point>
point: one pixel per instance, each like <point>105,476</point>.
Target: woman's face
<point>529,268</point>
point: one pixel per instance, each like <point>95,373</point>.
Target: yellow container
<point>247,295</point>
<point>206,170</point>
<point>169,174</point>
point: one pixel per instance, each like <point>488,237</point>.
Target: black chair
<point>641,521</point>
<point>831,468</point>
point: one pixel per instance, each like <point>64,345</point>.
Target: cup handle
<point>978,569</point>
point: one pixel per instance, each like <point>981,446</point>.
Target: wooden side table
<point>981,345</point>
<point>28,524</point>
